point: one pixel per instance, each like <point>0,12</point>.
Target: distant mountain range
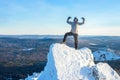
<point>48,36</point>
<point>31,36</point>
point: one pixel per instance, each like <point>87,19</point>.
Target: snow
<point>105,72</point>
<point>105,55</point>
<point>35,76</point>
<point>28,49</point>
<point>65,63</point>
<point>92,44</point>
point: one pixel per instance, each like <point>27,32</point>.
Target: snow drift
<point>65,63</point>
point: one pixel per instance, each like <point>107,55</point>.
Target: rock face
<point>65,63</point>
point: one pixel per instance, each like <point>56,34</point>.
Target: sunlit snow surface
<point>65,63</point>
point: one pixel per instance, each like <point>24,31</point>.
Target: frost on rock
<point>65,63</point>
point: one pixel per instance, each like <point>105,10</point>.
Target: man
<point>74,30</point>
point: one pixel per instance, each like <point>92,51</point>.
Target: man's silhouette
<point>74,30</point>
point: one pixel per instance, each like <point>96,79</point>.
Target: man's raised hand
<point>83,18</point>
<point>69,17</point>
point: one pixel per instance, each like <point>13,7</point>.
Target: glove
<point>83,18</point>
<point>69,17</point>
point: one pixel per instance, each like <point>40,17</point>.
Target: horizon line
<point>48,35</point>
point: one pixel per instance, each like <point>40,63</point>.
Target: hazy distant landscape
<point>21,55</point>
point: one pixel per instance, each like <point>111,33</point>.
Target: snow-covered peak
<point>65,63</point>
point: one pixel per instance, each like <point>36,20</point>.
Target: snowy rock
<point>102,55</point>
<point>65,63</point>
<point>105,72</point>
<point>35,76</point>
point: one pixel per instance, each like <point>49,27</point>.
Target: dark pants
<point>75,38</point>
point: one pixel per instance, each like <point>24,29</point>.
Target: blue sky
<point>49,16</point>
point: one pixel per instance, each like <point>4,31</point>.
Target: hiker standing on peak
<point>74,30</point>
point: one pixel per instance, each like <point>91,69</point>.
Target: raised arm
<point>83,21</point>
<point>68,20</point>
